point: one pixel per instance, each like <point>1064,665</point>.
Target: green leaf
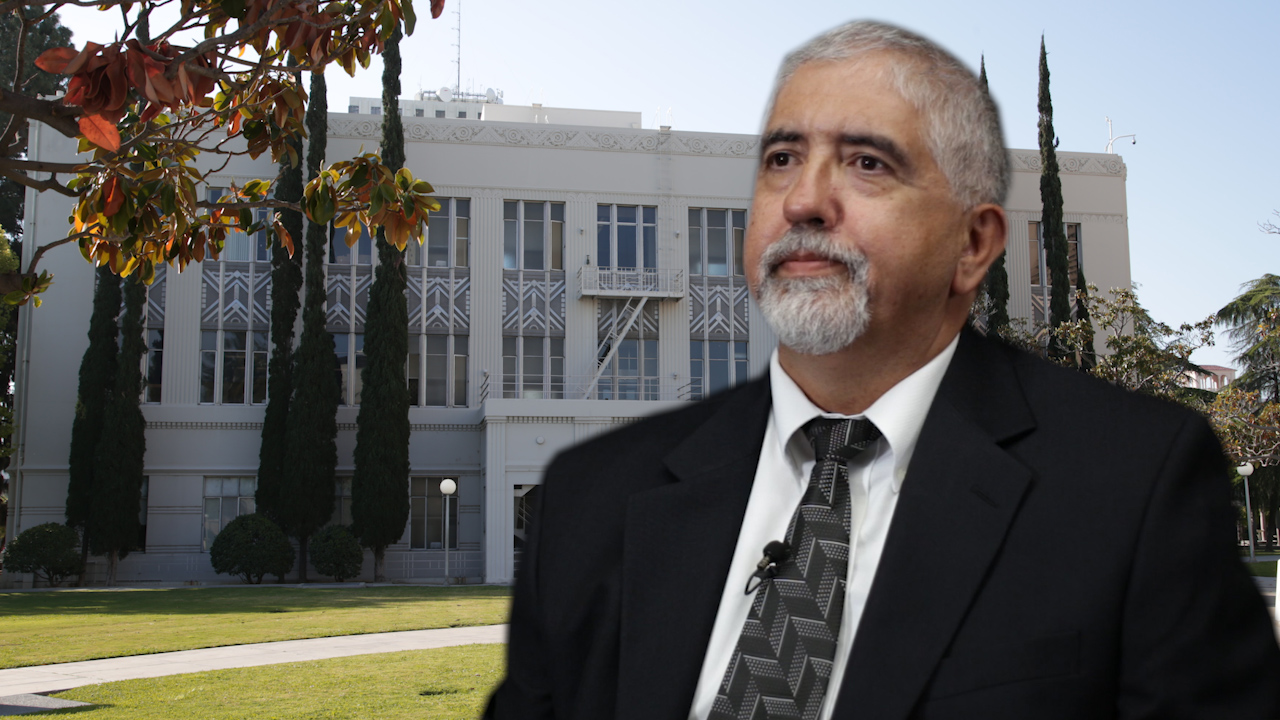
<point>410,17</point>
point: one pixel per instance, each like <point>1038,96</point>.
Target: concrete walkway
<point>18,685</point>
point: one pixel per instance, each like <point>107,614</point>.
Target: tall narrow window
<point>154,365</point>
<point>448,235</point>
<point>716,365</point>
<point>357,370</point>
<point>460,371</point>
<point>716,239</point>
<point>208,364</point>
<point>627,236</point>
<point>225,499</point>
<point>533,235</point>
<point>359,254</point>
<point>426,515</point>
<point>510,365</point>
<point>437,369</point>
<point>1038,253</point>
<point>260,349</point>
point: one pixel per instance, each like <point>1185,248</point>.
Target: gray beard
<point>814,316</point>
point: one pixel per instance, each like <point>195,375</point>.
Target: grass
<point>1264,568</point>
<point>53,627</point>
<point>446,683</point>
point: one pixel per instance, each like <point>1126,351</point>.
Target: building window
<point>419,112</point>
<point>341,502</point>
<point>626,236</point>
<point>426,515</point>
<point>231,371</point>
<point>376,109</point>
<point>448,237</point>
<point>153,365</point>
<point>1038,253</point>
<point>340,254</point>
<point>632,373</point>
<point>239,246</point>
<point>348,349</point>
<point>715,241</point>
<point>712,368</point>
<point>445,371</point>
<point>225,499</point>
<point>439,113</point>
<point>533,235</point>
<point>462,114</point>
<point>532,367</point>
<point>353,109</point>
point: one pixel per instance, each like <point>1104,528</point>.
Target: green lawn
<point>438,684</point>
<point>1262,568</point>
<point>51,627</point>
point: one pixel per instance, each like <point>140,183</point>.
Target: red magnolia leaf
<point>437,7</point>
<point>100,131</point>
<point>56,60</point>
<point>115,196</point>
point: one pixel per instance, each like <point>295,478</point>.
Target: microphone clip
<point>775,553</point>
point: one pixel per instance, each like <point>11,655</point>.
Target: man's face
<point>859,210</point>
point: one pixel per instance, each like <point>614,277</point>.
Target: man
<point>962,531</point>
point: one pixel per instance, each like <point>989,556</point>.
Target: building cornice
<point>552,136</point>
<point>1070,163</point>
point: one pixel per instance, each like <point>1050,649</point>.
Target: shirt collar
<point>899,413</point>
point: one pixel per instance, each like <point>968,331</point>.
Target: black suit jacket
<point>1060,549</point>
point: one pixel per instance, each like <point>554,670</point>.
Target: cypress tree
<point>1055,239</point>
<point>118,458</point>
<point>997,284</point>
<point>311,450</point>
<point>380,486</point>
<point>286,281</point>
<point>97,378</point>
<point>1088,358</point>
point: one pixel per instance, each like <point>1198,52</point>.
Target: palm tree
<point>1252,320</point>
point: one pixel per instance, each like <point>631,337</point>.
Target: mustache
<point>812,240</point>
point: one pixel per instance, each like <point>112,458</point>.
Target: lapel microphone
<point>775,553</point>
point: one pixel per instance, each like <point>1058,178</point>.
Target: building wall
<point>496,447</point>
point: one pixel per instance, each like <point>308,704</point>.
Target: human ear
<point>988,231</point>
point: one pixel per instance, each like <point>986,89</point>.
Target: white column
<point>499,525</point>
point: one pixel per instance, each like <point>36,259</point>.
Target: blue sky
<point>1194,81</point>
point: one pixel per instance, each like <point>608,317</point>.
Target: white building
<point>582,272</point>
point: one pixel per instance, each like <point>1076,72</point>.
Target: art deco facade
<point>579,275</point>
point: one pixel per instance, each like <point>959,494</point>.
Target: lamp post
<point>447,488</point>
<point>1245,471</point>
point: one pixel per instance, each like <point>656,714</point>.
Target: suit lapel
<point>960,495</point>
<point>680,539</point>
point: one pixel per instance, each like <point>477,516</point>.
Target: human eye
<point>869,163</point>
<point>779,159</point>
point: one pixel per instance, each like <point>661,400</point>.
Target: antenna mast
<point>458,45</point>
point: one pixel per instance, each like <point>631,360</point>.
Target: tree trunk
<point>379,564</point>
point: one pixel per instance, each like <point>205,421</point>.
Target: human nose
<point>813,198</point>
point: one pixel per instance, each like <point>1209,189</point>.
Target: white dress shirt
<point>875,479</point>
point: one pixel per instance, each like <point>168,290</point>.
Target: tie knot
<point>840,438</point>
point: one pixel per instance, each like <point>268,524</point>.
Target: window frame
<point>515,245</point>
<point>457,243</point>
<point>420,523</point>
<point>608,231</point>
<point>699,238</point>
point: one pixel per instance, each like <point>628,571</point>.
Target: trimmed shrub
<point>51,551</point>
<point>337,553</point>
<point>251,546</point>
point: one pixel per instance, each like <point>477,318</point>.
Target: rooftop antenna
<point>458,61</point>
<point>1114,138</point>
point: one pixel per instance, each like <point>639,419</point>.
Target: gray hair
<point>961,123</point>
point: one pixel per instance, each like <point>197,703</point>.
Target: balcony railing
<point>595,281</point>
<point>571,387</point>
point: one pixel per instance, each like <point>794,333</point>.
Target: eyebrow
<point>876,142</point>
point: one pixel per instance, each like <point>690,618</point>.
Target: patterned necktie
<point>782,663</point>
